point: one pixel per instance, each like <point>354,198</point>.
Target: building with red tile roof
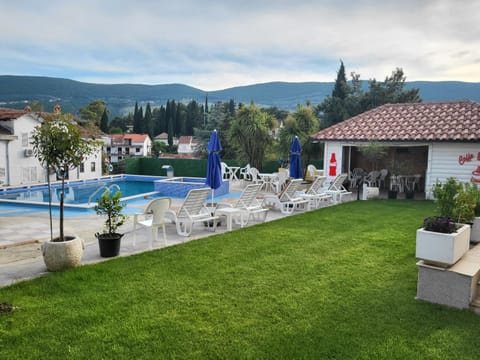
<point>445,121</point>
<point>433,141</point>
<point>121,146</point>
<point>18,165</point>
<point>187,145</point>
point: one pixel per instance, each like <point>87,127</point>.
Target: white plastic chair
<point>192,210</point>
<point>287,201</point>
<point>316,193</point>
<point>248,205</point>
<point>336,188</point>
<point>152,217</point>
<point>245,173</point>
<point>255,177</point>
<point>226,171</point>
<point>381,179</point>
<point>372,178</point>
<point>280,181</point>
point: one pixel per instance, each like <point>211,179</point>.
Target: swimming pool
<point>85,194</point>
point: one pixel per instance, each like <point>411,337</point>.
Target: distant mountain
<point>16,91</point>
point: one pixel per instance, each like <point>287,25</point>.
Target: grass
<point>336,283</point>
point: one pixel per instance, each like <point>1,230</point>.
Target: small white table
<point>268,180</point>
<point>229,213</point>
<point>233,172</point>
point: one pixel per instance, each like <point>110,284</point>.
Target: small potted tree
<point>59,146</point>
<point>109,205</point>
<point>445,238</point>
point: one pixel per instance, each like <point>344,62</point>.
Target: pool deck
<point>22,236</point>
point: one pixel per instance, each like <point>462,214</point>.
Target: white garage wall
<point>458,160</point>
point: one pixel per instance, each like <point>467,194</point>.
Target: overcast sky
<point>214,45</point>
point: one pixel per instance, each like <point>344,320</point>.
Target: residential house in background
<point>122,146</point>
<point>187,145</point>
<point>163,137</point>
<point>18,165</point>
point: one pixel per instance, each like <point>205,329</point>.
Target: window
<point>92,166</point>
<point>24,139</point>
<point>82,167</point>
<point>138,150</point>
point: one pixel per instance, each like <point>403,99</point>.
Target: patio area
<point>22,236</point>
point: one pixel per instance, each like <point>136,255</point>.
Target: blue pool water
<point>82,193</point>
<point>82,196</point>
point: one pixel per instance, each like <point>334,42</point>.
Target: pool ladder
<point>101,188</point>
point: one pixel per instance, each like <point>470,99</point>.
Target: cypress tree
<point>104,122</point>
<point>148,122</point>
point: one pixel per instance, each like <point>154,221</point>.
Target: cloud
<point>218,44</point>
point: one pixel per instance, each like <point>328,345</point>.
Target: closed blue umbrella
<point>295,159</point>
<point>214,167</point>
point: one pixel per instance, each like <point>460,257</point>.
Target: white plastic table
<point>229,213</point>
<point>233,172</point>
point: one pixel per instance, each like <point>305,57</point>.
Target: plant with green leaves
<point>59,146</point>
<point>374,151</point>
<point>110,206</point>
<point>456,200</point>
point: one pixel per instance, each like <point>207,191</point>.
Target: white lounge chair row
<point>159,213</point>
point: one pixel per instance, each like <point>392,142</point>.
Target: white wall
<point>27,170</point>
<point>458,160</point>
<point>23,170</point>
<point>332,147</point>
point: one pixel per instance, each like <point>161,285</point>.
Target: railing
<point>100,188</point>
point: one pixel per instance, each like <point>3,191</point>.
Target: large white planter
<point>59,256</point>
<point>442,249</point>
<point>475,233</point>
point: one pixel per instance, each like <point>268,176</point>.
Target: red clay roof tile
<point>434,121</point>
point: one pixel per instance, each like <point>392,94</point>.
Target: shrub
<point>440,224</point>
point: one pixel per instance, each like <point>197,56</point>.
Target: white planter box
<point>475,233</point>
<point>442,249</point>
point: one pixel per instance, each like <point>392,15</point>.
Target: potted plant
<point>110,206</point>
<point>393,191</point>
<point>59,146</point>
<point>445,238</point>
<point>475,232</point>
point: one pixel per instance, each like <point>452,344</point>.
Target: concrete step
<point>476,302</point>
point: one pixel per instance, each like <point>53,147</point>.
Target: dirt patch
<point>6,307</point>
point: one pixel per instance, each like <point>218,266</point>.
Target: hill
<point>16,91</point>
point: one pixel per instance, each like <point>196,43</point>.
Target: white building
<point>433,140</point>
<point>163,137</point>
<point>187,145</point>
<point>121,146</point>
<point>18,166</point>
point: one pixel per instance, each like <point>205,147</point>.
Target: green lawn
<point>336,283</point>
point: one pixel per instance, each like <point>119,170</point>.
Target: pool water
<point>82,196</point>
<point>82,193</point>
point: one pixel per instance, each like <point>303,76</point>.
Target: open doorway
<point>405,162</point>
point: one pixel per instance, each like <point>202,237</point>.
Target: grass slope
<point>336,283</point>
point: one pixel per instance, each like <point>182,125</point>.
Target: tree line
<point>249,132</point>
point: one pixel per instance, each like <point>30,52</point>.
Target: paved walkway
<point>22,235</point>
